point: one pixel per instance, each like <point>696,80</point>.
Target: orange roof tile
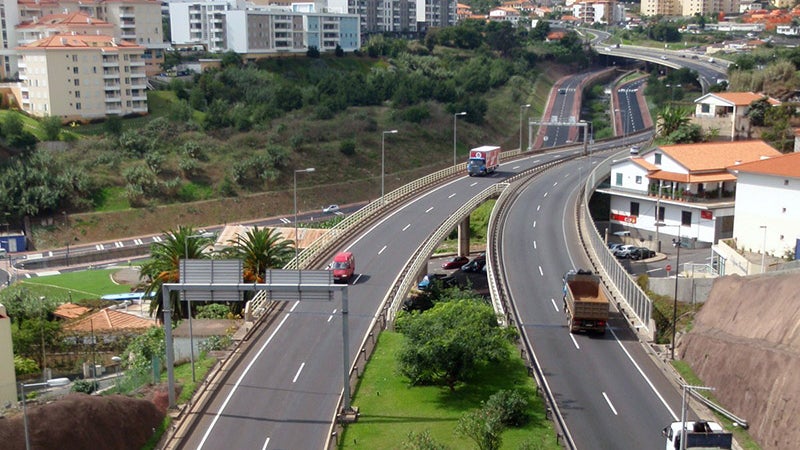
<point>744,98</point>
<point>784,166</point>
<point>713,177</point>
<point>109,320</point>
<point>716,156</point>
<point>75,18</point>
<point>70,311</point>
<point>61,41</point>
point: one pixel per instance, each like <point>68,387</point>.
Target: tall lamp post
<point>296,237</point>
<point>56,382</point>
<point>677,244</point>
<point>763,248</point>
<point>687,387</point>
<point>455,117</point>
<point>521,109</point>
<point>587,133</point>
<point>383,158</point>
<point>44,354</point>
<point>188,304</point>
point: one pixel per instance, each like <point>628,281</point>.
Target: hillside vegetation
<point>240,131</point>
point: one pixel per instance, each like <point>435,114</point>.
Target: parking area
<point>476,280</point>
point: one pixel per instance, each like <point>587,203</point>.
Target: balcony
<point>113,99</point>
<point>111,86</point>
<point>110,62</point>
<point>137,63</point>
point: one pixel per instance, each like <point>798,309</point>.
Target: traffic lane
<point>547,322</point>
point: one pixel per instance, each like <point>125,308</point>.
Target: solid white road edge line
<point>571,336</point>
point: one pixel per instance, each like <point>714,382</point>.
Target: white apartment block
<point>200,22</point>
<point>652,8</point>
<point>592,12</point>
<point>689,7</point>
<point>504,14</point>
<point>79,77</point>
<point>387,16</point>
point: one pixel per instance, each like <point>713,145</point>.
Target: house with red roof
<point>684,191</point>
<point>727,112</point>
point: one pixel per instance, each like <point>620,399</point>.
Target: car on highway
<point>664,57</point>
<point>635,150</point>
<point>330,209</point>
<point>562,91</point>
<point>455,262</point>
<point>476,265</point>
<point>641,253</point>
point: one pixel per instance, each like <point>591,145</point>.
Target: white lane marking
<point>331,316</point>
<point>641,372</point>
<point>99,247</point>
<point>535,161</point>
<point>610,405</point>
<point>452,195</point>
<point>540,271</point>
<point>534,224</point>
<point>356,280</point>
<point>406,227</point>
<point>538,207</point>
<point>266,443</point>
<point>285,220</point>
<point>534,245</point>
<point>554,304</point>
<point>545,194</point>
<point>50,253</point>
<point>119,244</point>
<point>294,306</point>
<point>157,239</point>
<point>429,209</point>
<point>515,168</point>
<point>555,184</point>
<point>297,375</point>
<point>381,250</point>
<point>241,377</point>
<point>473,184</point>
<point>571,336</point>
<point>138,241</point>
<point>48,273</point>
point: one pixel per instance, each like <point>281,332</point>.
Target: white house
<point>504,14</point>
<point>767,212</point>
<point>727,112</point>
<point>689,185</point>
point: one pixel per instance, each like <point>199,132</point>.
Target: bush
<point>347,147</point>
<point>511,407</point>
<point>212,311</point>
<point>215,343</point>
<point>87,387</point>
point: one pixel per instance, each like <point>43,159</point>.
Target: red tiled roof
<point>784,166</point>
<point>75,18</point>
<point>62,41</point>
<point>70,311</point>
<point>744,98</point>
<point>109,320</point>
<point>717,156</point>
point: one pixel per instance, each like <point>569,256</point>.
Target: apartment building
<point>661,8</point>
<point>390,16</point>
<point>437,13</point>
<point>200,23</point>
<point>592,12</point>
<point>688,7</point>
<point>78,77</point>
<point>52,24</point>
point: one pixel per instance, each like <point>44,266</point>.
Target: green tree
<point>312,52</point>
<point>260,249</point>
<point>143,348</point>
<point>12,125</point>
<point>449,341</point>
<point>671,118</point>
<point>164,267</point>
<point>113,125</point>
<point>483,427</point>
<point>231,59</point>
<point>422,441</point>
<point>50,126</point>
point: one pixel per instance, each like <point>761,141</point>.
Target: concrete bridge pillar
<point>463,237</point>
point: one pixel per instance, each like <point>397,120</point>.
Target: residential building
<point>437,13</point>
<point>681,190</point>
<point>199,24</point>
<point>727,112</point>
<point>660,8</point>
<point>8,379</point>
<point>62,23</point>
<point>463,12</point>
<point>592,12</point>
<point>9,17</point>
<point>78,77</point>
<point>767,214</point>
<point>504,14</point>
<point>398,17</point>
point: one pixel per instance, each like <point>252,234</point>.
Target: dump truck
<point>699,435</point>
<point>585,302</point>
<point>483,160</point>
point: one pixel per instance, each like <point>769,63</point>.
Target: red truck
<point>483,160</point>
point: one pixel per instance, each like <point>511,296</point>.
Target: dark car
<point>476,265</point>
<point>642,253</point>
<point>455,262</point>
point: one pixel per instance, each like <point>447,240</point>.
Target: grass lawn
<point>84,284</point>
<point>390,408</point>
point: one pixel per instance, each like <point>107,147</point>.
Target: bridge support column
<point>463,237</point>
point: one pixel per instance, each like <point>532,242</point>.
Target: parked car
<point>613,246</point>
<point>476,265</point>
<point>641,253</point>
<point>455,262</point>
<point>443,278</point>
<point>624,251</point>
<point>330,209</point>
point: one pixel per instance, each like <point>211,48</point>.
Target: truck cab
<point>699,435</point>
<point>343,267</point>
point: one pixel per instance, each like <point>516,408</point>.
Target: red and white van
<point>343,266</point>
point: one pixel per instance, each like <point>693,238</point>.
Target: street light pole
<point>586,126</point>
<point>521,108</point>
<point>296,237</point>
<point>687,387</point>
<point>188,304</point>
<point>56,382</point>
<point>44,355</point>
<point>455,116</point>
<point>763,248</point>
<point>383,159</point>
<point>675,297</point>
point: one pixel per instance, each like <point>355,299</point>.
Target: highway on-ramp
<point>608,389</point>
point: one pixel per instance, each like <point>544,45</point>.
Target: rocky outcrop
<point>746,344</point>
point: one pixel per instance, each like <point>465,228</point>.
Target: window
<point>686,218</point>
<point>619,179</point>
<point>638,179</point>
<point>77,82</point>
<point>660,217</point>
<point>635,209</point>
<point>657,160</point>
<point>74,58</point>
<point>77,94</point>
<point>705,108</point>
<point>77,106</point>
<point>75,70</point>
<point>785,182</point>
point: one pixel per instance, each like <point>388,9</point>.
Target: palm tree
<point>672,119</point>
<point>261,249</point>
<point>164,267</point>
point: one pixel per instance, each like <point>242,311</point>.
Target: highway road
<point>628,114</point>
<point>565,109</point>
<point>285,391</point>
<point>610,392</point>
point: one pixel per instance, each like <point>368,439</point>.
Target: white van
<point>635,150</point>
